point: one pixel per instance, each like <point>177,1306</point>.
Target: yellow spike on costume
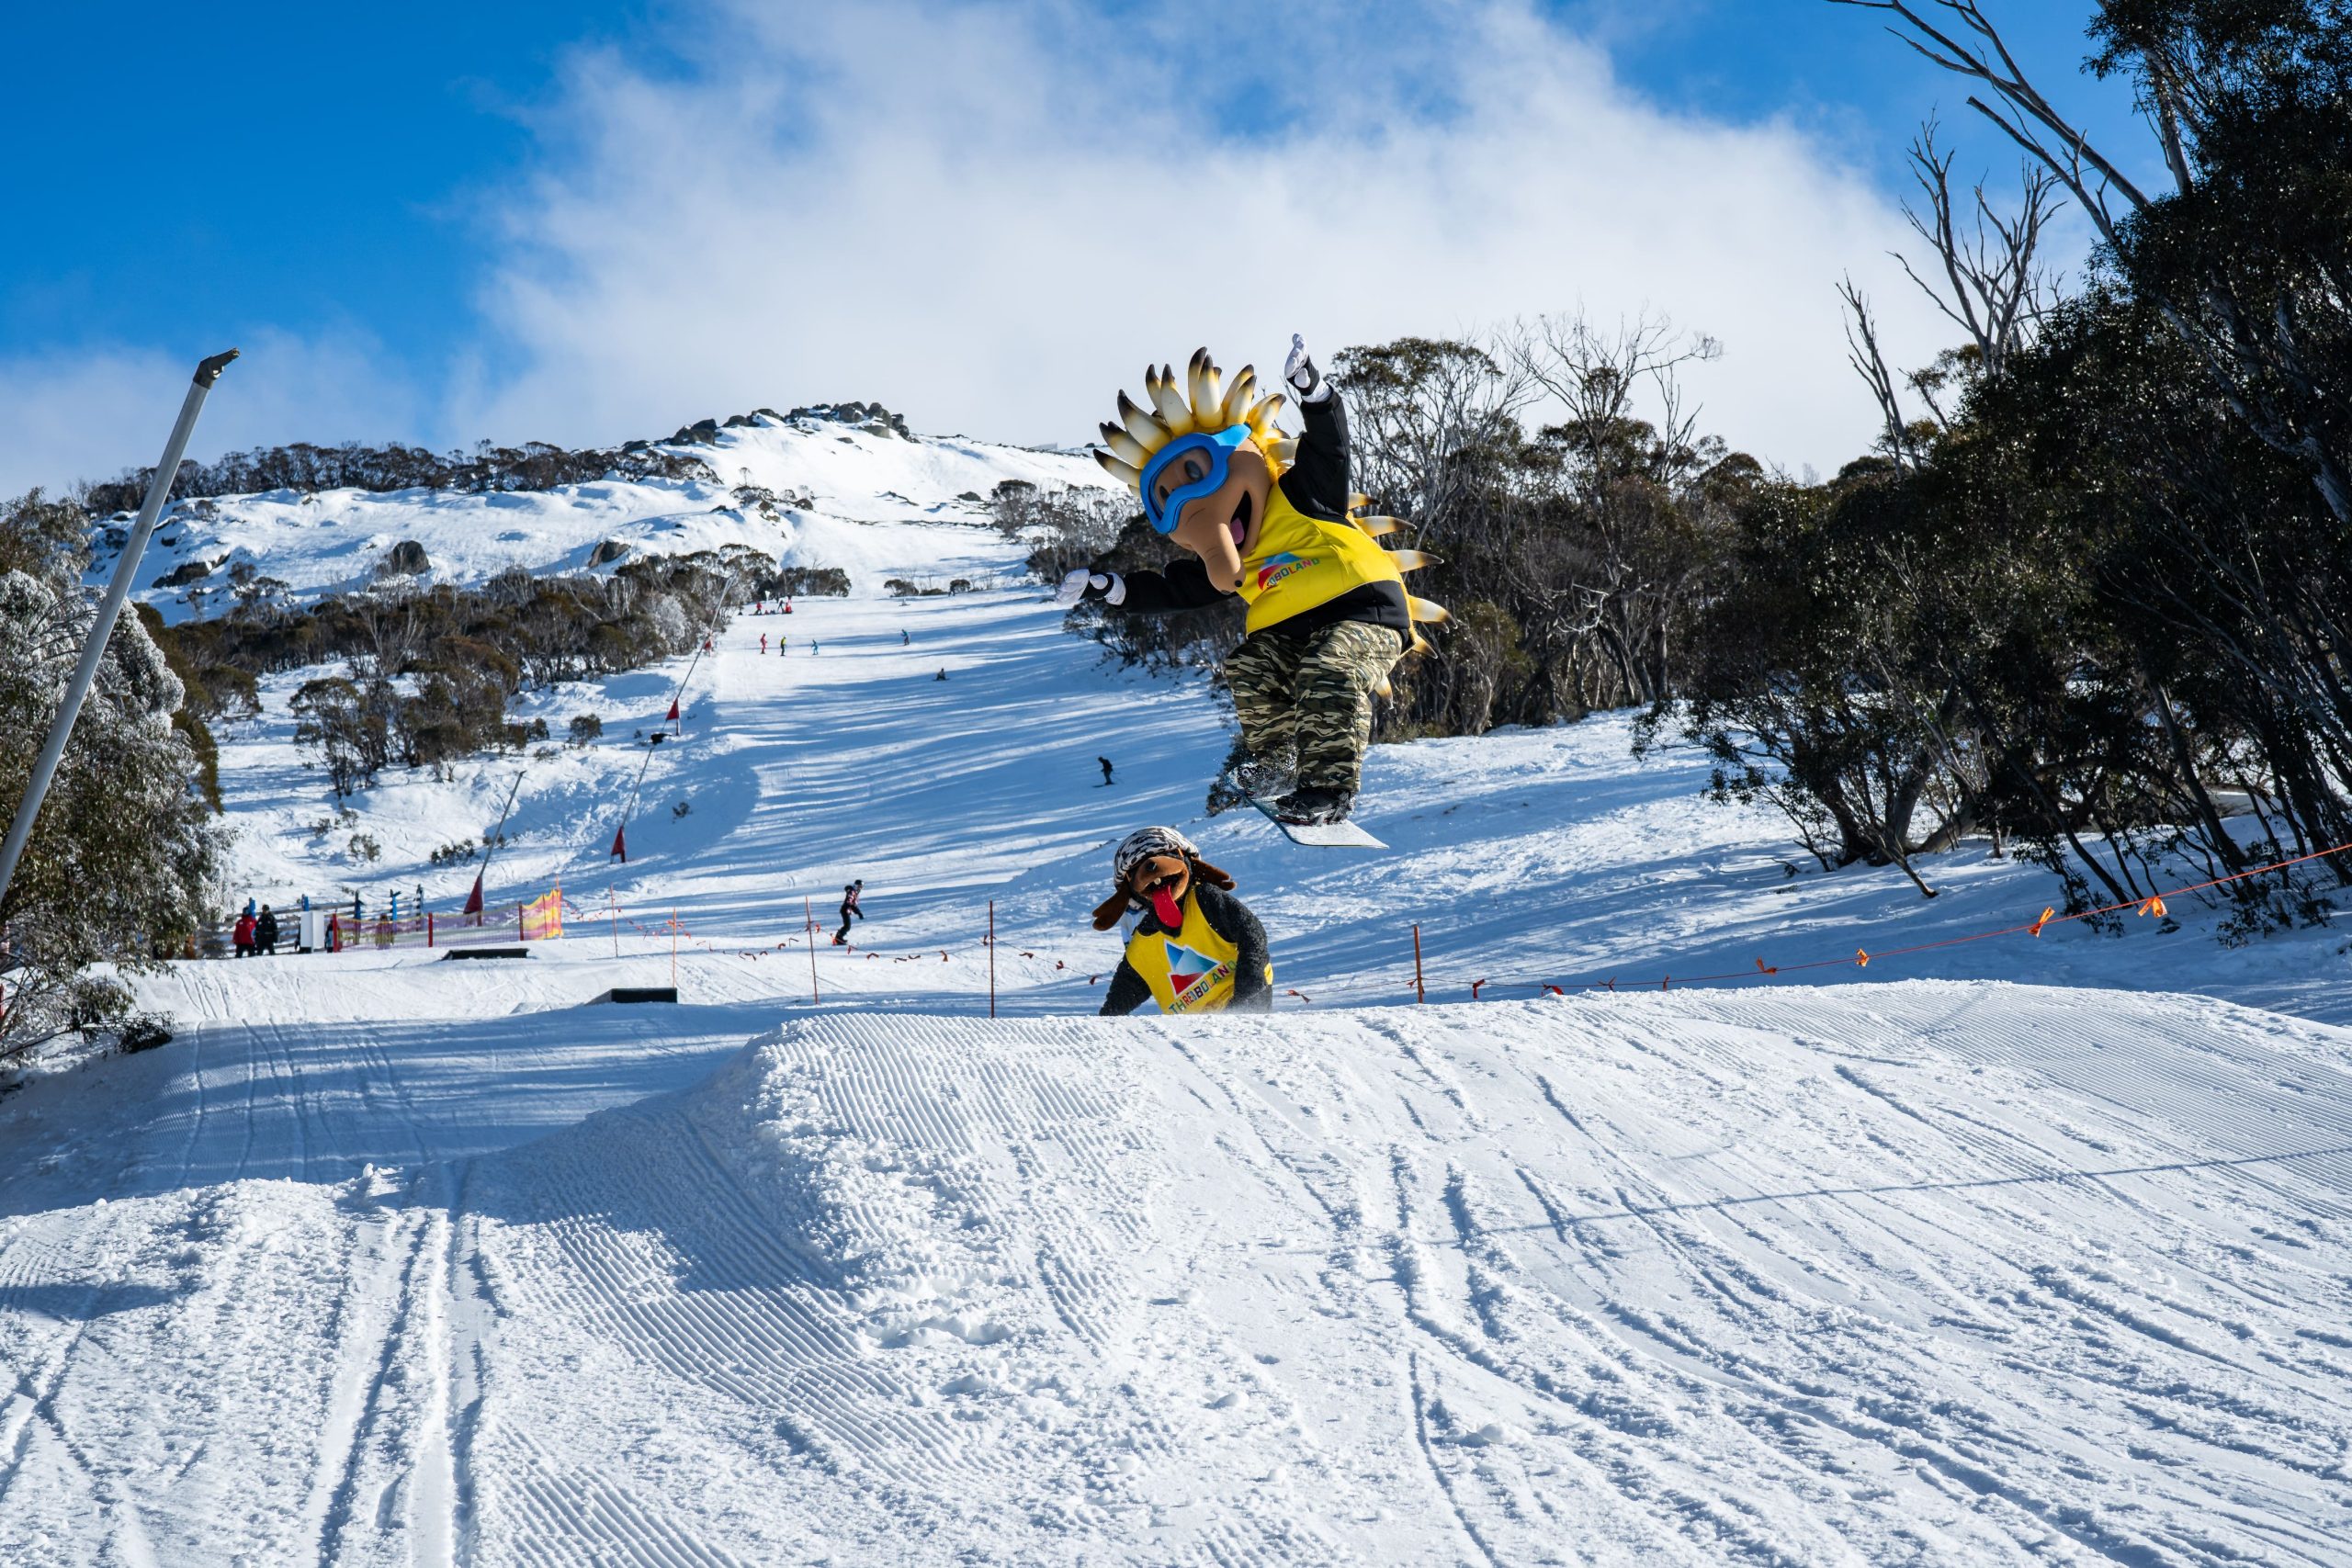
<point>1421,643</point>
<point>1262,418</point>
<point>1285,452</point>
<point>1125,473</point>
<point>1412,561</point>
<point>1358,503</point>
<point>1384,689</point>
<point>1126,447</point>
<point>1174,411</point>
<point>1426,610</point>
<point>1237,398</point>
<point>1143,425</point>
<point>1204,383</point>
<point>1378,528</point>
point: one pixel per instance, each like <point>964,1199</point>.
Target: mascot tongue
<point>1164,905</point>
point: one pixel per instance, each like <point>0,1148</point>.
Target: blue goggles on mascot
<point>1216,447</point>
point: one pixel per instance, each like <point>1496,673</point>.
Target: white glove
<point>1300,372</point>
<point>1081,584</point>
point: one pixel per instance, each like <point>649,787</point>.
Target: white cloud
<point>990,219</point>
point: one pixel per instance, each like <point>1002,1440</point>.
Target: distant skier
<point>1271,519</point>
<point>941,675</point>
<point>1106,770</point>
<point>763,645</point>
<point>850,911</point>
<point>1198,948</point>
<point>904,640</point>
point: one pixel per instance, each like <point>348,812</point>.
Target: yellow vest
<point>1191,971</point>
<point>1304,562</point>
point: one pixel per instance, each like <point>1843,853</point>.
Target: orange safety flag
<point>1763,968</point>
<point>620,845</point>
<point>473,900</point>
<point>2046,912</point>
<point>2154,906</point>
<point>1862,959</point>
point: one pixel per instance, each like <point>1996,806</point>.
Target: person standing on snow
<point>1106,770</point>
<point>241,935</point>
<point>1270,518</point>
<point>265,932</point>
<point>1198,948</point>
<point>763,645</point>
<point>850,911</point>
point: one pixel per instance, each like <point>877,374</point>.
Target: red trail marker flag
<point>473,900</point>
<point>620,845</point>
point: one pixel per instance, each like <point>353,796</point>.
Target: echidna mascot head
<point>1203,457</point>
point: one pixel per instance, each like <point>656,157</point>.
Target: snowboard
<point>1320,835</point>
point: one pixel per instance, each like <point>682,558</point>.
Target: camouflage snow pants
<point>1312,694</point>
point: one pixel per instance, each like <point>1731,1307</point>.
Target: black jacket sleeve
<point>1232,919</point>
<point>1319,478</point>
<point>1183,586</point>
<point>1128,991</point>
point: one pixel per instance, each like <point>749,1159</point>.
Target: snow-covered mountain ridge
<point>775,476</point>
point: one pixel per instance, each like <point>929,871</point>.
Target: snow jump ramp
<point>1939,1271</point>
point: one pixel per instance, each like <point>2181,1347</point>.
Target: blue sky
<point>374,198</point>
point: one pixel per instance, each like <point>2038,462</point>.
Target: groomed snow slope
<point>386,1259</point>
<point>1925,1272</point>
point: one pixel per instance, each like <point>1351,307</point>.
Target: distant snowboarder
<point>763,645</point>
<point>1271,519</point>
<point>850,911</point>
<point>1198,948</point>
<point>1106,770</point>
<point>941,675</point>
<point>904,640</point>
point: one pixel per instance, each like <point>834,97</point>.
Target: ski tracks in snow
<point>1925,1272</point>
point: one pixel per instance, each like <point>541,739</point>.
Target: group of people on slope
<point>256,931</point>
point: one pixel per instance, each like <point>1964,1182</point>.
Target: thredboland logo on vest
<point>1281,566</point>
<point>1193,975</point>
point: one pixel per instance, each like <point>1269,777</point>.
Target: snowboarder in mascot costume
<point>1270,518</point>
<point>1197,948</point>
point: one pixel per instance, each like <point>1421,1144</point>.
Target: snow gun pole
<point>159,490</point>
<point>498,835</point>
<point>1419,993</point>
<point>809,913</point>
<point>991,958</point>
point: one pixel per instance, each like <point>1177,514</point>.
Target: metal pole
<point>1420,994</point>
<point>991,958</point>
<point>109,608</point>
<point>809,913</point>
<point>497,837</point>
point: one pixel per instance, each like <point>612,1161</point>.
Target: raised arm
<point>1319,479</point>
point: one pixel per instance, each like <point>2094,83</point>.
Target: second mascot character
<point>1273,520</point>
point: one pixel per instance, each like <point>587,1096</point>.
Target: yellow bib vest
<point>1188,971</point>
<point>1303,562</point>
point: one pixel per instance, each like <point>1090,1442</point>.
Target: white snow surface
<point>2016,1251</point>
